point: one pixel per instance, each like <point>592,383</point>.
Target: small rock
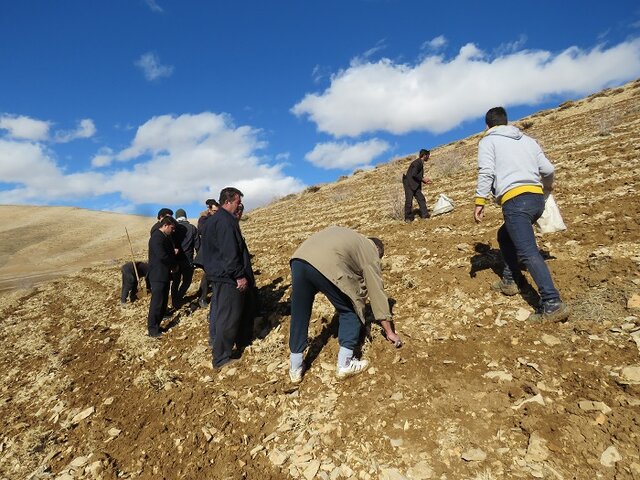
<point>396,442</point>
<point>634,301</point>
<point>499,375</point>
<point>311,469</point>
<point>522,314</point>
<point>535,399</point>
<point>82,415</point>
<point>474,455</point>
<point>278,457</point>
<point>550,340</point>
<point>113,432</point>
<point>589,406</point>
<point>537,450</point>
<point>630,375</point>
<point>108,401</point>
<point>391,474</point>
<point>420,471</point>
<point>610,456</point>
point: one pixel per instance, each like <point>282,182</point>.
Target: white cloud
<point>346,156</point>
<point>437,94</point>
<point>150,64</point>
<point>25,128</point>
<point>435,43</point>
<point>153,5</point>
<point>85,129</point>
<point>171,160</point>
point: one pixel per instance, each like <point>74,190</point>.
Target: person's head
<point>180,213</point>
<point>230,198</point>
<point>496,116</point>
<point>379,245</point>
<point>168,225</point>
<point>239,211</point>
<point>163,212</point>
<point>424,154</point>
<point>212,205</point>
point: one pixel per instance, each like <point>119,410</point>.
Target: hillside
<point>474,393</point>
<point>40,243</point>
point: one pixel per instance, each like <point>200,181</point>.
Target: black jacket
<point>186,239</point>
<point>415,174</point>
<point>162,259</point>
<point>224,252</point>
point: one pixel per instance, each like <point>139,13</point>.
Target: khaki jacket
<point>351,262</point>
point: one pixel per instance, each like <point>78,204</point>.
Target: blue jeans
<point>306,281</point>
<point>517,241</point>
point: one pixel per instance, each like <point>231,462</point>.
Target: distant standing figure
<point>412,182</point>
<point>513,167</point>
<point>162,262</point>
<point>345,266</point>
<point>187,240</point>
<point>130,282</point>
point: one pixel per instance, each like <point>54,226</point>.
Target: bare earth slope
<point>39,243</point>
<point>475,393</point>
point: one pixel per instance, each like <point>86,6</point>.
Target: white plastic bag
<point>551,220</point>
<point>443,205</point>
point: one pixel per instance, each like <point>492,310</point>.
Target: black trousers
<point>158,306</point>
<point>180,283</point>
<point>233,322</point>
<point>409,194</point>
<point>129,288</point>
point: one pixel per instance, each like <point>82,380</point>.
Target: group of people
<point>345,265</point>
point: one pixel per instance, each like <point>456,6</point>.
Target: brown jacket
<point>351,262</point>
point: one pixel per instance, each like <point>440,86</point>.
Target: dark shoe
<point>154,334</point>
<point>554,312</point>
<point>507,288</point>
<point>226,364</point>
<point>408,220</point>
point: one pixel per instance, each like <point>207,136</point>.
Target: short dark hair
<point>168,220</point>
<point>379,245</point>
<point>496,116</point>
<point>211,202</point>
<point>228,194</point>
<point>163,212</point>
<point>424,152</point>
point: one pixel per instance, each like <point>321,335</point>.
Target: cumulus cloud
<point>345,156</point>
<point>437,94</point>
<point>150,65</point>
<point>24,128</point>
<point>171,160</point>
<point>85,129</point>
<point>435,43</point>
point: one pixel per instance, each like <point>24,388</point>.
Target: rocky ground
<point>476,392</point>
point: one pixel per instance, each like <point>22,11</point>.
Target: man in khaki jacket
<point>345,266</point>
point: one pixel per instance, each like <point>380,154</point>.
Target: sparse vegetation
<point>567,104</point>
<point>446,164</point>
<point>312,189</point>
<point>526,124</point>
<point>396,203</point>
<point>604,124</point>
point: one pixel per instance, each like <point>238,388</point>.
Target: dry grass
<point>447,164</point>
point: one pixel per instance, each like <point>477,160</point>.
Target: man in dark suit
<point>224,258</point>
<point>187,241</point>
<point>412,183</point>
<point>162,261</point>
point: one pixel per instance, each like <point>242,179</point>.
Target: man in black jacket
<point>186,240</point>
<point>130,281</point>
<point>412,183</point>
<point>162,262</point>
<point>224,258</point>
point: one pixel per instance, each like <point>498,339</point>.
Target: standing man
<point>163,212</point>
<point>513,167</point>
<point>162,262</point>
<point>212,207</point>
<point>187,240</point>
<point>412,182</point>
<point>345,266</point>
<point>224,254</point>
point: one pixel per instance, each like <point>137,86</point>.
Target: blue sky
<point>132,105</point>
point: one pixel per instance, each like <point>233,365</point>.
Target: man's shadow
<point>270,308</point>
<point>487,257</point>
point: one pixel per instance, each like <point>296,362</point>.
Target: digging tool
<point>142,285</point>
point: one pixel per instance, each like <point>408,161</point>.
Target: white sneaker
<point>354,367</point>
<point>295,375</point>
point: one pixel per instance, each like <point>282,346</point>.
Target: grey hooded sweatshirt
<point>510,163</point>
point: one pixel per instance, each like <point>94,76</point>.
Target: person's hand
<point>390,333</point>
<point>478,213</point>
<point>427,181</point>
<point>242,284</point>
<point>176,250</point>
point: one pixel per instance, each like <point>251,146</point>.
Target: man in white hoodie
<point>513,167</point>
